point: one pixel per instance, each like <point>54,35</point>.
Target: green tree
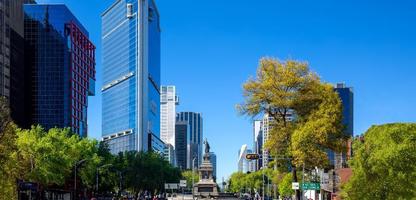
<point>285,186</point>
<point>47,156</point>
<point>384,164</point>
<point>9,167</point>
<point>188,175</point>
<point>285,89</point>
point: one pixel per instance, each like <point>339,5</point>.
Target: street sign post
<point>252,156</point>
<point>311,186</point>
<point>295,186</point>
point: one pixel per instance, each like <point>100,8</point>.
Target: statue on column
<point>206,146</point>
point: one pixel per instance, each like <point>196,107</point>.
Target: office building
<point>196,134</point>
<point>245,165</point>
<point>338,160</point>
<point>168,102</point>
<point>131,75</point>
<point>267,125</point>
<point>258,143</point>
<point>170,154</point>
<point>60,62</point>
<point>12,73</point>
<point>213,159</point>
<point>183,145</point>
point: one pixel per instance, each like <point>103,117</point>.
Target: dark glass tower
<point>347,98</point>
<point>60,61</point>
<point>182,142</point>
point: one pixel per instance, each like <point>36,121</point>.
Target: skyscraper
<point>196,134</point>
<point>60,61</point>
<point>267,125</point>
<point>182,143</point>
<point>168,102</point>
<point>347,99</point>
<point>244,165</point>
<point>12,72</point>
<point>131,75</point>
<point>258,142</point>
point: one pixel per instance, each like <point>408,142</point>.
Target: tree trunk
<point>295,179</point>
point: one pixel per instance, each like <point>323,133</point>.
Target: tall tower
<point>196,134</point>
<point>168,102</point>
<point>346,95</point>
<point>131,75</point>
<point>12,72</point>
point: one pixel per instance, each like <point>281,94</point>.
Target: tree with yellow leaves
<point>306,113</point>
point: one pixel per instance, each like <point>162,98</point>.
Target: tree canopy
<point>306,113</point>
<point>383,164</point>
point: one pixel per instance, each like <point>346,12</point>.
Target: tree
<point>285,89</point>
<point>48,157</point>
<point>9,167</point>
<point>285,186</point>
<point>188,175</point>
<point>384,164</point>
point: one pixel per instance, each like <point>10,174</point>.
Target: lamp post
<point>193,164</point>
<point>97,173</point>
<point>75,175</point>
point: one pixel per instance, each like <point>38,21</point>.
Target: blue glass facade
<point>60,61</point>
<point>131,75</point>
<point>196,134</point>
<point>347,99</point>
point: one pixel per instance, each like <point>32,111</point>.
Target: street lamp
<point>98,171</point>
<point>193,164</point>
<point>75,175</point>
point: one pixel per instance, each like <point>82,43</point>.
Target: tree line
<point>49,158</point>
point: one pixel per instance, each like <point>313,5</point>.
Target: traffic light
<point>252,156</point>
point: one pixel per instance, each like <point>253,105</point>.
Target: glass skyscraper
<point>131,75</point>
<point>60,64</point>
<point>346,95</point>
<point>196,134</point>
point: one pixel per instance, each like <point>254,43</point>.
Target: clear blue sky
<point>209,48</point>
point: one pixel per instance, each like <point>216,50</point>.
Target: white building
<point>245,165</point>
<point>168,102</point>
<point>266,126</point>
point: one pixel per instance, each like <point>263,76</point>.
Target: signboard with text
<point>311,186</point>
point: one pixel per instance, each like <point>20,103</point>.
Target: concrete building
<point>131,75</point>
<point>12,66</point>
<point>168,102</point>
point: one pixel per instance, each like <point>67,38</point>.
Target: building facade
<point>12,72</point>
<point>60,62</point>
<point>131,75</point>
<point>258,143</point>
<point>346,94</point>
<point>168,102</point>
<point>196,135</point>
<point>182,144</point>
<point>213,159</point>
<point>245,165</point>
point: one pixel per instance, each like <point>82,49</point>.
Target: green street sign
<point>311,186</point>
